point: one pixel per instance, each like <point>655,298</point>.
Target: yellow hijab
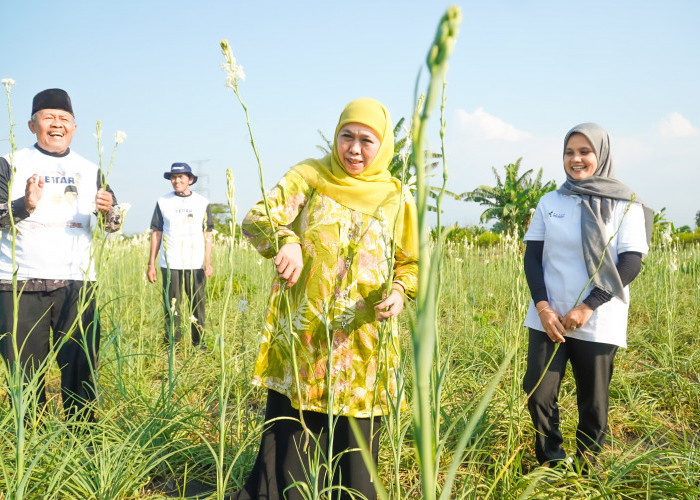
<point>373,188</point>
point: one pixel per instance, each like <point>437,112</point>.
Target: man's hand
<point>151,273</point>
<point>289,263</point>
<point>33,192</point>
<point>103,201</point>
<point>208,270</point>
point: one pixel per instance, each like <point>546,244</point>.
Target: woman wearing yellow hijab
<point>347,258</point>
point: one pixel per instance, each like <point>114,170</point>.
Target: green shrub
<point>467,235</point>
<point>488,239</point>
<point>688,238</point>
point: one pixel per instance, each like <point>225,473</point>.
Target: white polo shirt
<point>557,222</point>
<point>184,220</point>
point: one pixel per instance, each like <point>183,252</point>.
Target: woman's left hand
<point>391,306</point>
<point>577,317</point>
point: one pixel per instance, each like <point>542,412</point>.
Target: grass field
<point>160,424</point>
<point>179,421</point>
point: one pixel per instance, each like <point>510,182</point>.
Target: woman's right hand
<point>289,263</point>
<point>551,321</point>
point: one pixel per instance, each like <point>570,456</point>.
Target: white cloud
<point>478,141</point>
<point>676,125</point>
<point>664,173</point>
<point>480,125</point>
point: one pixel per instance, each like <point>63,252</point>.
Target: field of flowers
<point>174,421</point>
<point>189,421</point>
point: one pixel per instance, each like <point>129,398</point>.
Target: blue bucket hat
<point>180,168</point>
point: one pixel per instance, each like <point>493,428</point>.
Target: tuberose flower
<point>238,72</point>
<point>234,72</point>
<point>119,136</point>
<point>8,82</point>
<point>123,208</point>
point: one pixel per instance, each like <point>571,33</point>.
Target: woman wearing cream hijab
<point>347,258</point>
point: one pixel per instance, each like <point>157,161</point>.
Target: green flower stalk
<point>424,333</point>
<point>438,370</point>
<point>439,54</point>
<point>223,476</point>
<point>15,375</point>
<point>8,83</point>
<point>231,200</point>
<point>97,251</point>
<point>234,75</point>
<point>443,154</point>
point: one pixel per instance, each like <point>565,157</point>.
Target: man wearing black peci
<point>50,194</point>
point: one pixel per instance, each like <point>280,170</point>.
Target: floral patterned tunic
<point>321,333</point>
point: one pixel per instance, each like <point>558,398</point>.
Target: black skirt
<point>290,461</point>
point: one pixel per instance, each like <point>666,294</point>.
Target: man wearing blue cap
<point>183,223</point>
<point>48,248</point>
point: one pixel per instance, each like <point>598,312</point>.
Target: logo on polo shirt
<point>552,213</point>
<point>59,179</point>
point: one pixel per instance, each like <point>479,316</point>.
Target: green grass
<point>154,427</point>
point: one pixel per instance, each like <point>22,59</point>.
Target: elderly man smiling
<point>51,256</point>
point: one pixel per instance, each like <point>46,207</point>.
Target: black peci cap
<point>52,99</point>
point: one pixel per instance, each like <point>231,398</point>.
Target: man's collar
<point>55,155</point>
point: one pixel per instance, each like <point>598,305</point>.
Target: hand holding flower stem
<point>424,331</point>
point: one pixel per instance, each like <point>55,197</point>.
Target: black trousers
<point>282,459</point>
<point>179,283</point>
<point>592,365</point>
<point>76,339</point>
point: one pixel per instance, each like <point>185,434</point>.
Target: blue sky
<point>523,72</point>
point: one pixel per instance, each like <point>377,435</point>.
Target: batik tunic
<point>322,333</point>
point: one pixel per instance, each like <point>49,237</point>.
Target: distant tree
<point>661,223</point>
<point>660,218</point>
<point>222,216</point>
<point>512,200</point>
<point>697,219</point>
